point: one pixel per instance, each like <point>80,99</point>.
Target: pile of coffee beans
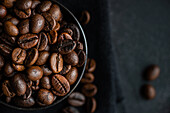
<point>40,53</point>
<point>87,93</point>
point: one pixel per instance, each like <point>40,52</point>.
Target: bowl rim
<point>78,81</point>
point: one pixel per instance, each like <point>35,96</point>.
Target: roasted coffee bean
<point>6,39</point>
<point>91,105</point>
<point>8,3</point>
<point>2,61</point>
<point>27,41</point>
<point>24,27</point>
<point>43,41</point>
<point>68,30</point>
<point>27,94</point>
<point>35,73</point>
<point>7,89</point>
<point>45,83</point>
<point>56,62</point>
<point>57,27</point>
<point>55,12</point>
<point>45,97</point>
<point>7,18</point>
<point>89,90</point>
<point>72,75</point>
<point>46,70</point>
<point>5,50</point>
<point>60,85</point>
<point>23,4</point>
<point>24,103</point>
<point>65,69</point>
<point>18,84</point>
<point>70,109</point>
<point>87,78</point>
<point>91,65</point>
<point>22,14</point>
<point>31,57</point>
<point>148,91</point>
<point>44,6</point>
<point>47,48</point>
<point>10,28</point>
<point>85,17</point>
<point>35,85</point>
<point>79,46</point>
<point>37,23</point>
<point>52,37</point>
<point>18,67</point>
<point>64,36</point>
<point>3,11</point>
<point>35,3</point>
<point>71,58</point>
<point>76,32</point>
<point>152,72</point>
<point>8,69</point>
<point>66,46</point>
<point>18,55</point>
<point>15,21</point>
<point>76,99</point>
<point>8,99</point>
<point>82,57</point>
<point>50,22</point>
<point>43,57</point>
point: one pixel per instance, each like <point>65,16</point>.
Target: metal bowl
<point>72,19</point>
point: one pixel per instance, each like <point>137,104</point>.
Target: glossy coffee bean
<point>148,91</point>
<point>18,55</point>
<point>91,65</point>
<point>37,23</point>
<point>64,36</point>
<point>5,50</point>
<point>66,46</point>
<point>76,32</point>
<point>42,58</point>
<point>70,109</point>
<point>76,99</point>
<point>24,27</point>
<point>89,90</point>
<point>68,30</point>
<point>45,83</point>
<point>9,40</point>
<point>50,22</point>
<point>87,78</point>
<point>7,89</point>
<point>85,17</point>
<point>28,41</point>
<point>55,12</point>
<point>152,72</point>
<point>22,14</point>
<point>56,62</point>
<point>82,57</point>
<point>24,102</point>
<point>18,67</point>
<point>71,58</point>
<point>2,61</point>
<point>60,85</point>
<point>31,57</point>
<point>35,73</point>
<point>23,4</point>
<point>57,27</point>
<point>28,93</point>
<point>79,46</point>
<point>35,85</point>
<point>52,37</point>
<point>8,69</point>
<point>46,70</point>
<point>3,11</point>
<point>43,41</point>
<point>45,97</point>
<point>15,21</point>
<point>8,3</point>
<point>44,6</point>
<point>91,105</point>
<point>72,75</point>
<point>35,3</point>
<point>18,84</point>
<point>10,28</point>
<point>65,69</point>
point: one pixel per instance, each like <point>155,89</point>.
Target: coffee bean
<point>91,105</point>
<point>71,58</point>
<point>35,73</point>
<point>60,85</point>
<point>43,41</point>
<point>18,67</point>
<point>64,36</point>
<point>55,12</point>
<point>35,85</point>
<point>65,69</point>
<point>8,69</point>
<point>76,32</point>
<point>76,99</point>
<point>52,37</point>
<point>152,72</point>
<point>7,89</point>
<point>68,30</point>
<point>87,78</point>
<point>18,55</point>
<point>50,22</point>
<point>85,17</point>
<point>7,18</point>
<point>28,41</point>
<point>6,39</point>
<point>56,62</point>
<point>79,46</point>
<point>46,70</point>
<point>57,27</point>
<point>72,75</point>
<point>24,27</point>
<point>43,57</point>
<point>2,61</point>
<point>5,50</point>
<point>66,46</point>
<point>10,28</point>
<point>44,6</point>
<point>45,83</point>
<point>3,11</point>
<point>23,4</point>
<point>82,57</point>
<point>148,91</point>
<point>35,3</point>
<point>37,23</point>
<point>89,90</point>
<point>24,103</point>
<point>70,109</point>
<point>23,14</point>
<point>27,94</point>
<point>31,57</point>
<point>8,3</point>
<point>91,65</point>
<point>15,21</point>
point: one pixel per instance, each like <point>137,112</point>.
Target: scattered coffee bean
<point>43,41</point>
<point>152,72</point>
<point>31,57</point>
<point>46,70</point>
<point>91,105</point>
<point>24,27</point>
<point>45,83</point>
<point>72,75</point>
<point>37,23</point>
<point>3,11</point>
<point>18,67</point>
<point>44,6</point>
<point>87,78</point>
<point>8,69</point>
<point>10,28</point>
<point>7,89</point>
<point>70,109</point>
<point>64,36</point>
<point>5,49</point>
<point>50,22</point>
<point>35,3</point>
<point>18,55</point>
<point>65,69</point>
<point>52,37</point>
<point>76,32</point>
<point>82,57</point>
<point>35,85</point>
<point>15,21</point>
<point>55,12</point>
<point>56,62</point>
<point>71,58</point>
<point>24,103</point>
<point>43,57</point>
<point>91,65</point>
<point>85,17</point>
<point>79,46</point>
<point>22,14</point>
<point>148,91</point>
<point>23,4</point>
<point>8,3</point>
<point>76,99</point>
<point>35,73</point>
<point>89,90</point>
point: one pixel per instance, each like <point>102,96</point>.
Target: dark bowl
<point>72,19</point>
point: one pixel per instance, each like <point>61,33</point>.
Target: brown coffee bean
<point>52,37</point>
<point>148,91</point>
<point>56,62</point>
<point>57,27</point>
<point>10,28</point>
<point>28,93</point>
<point>3,11</point>
<point>152,72</point>
<point>87,78</point>
<point>35,85</point>
<point>43,41</point>
<point>72,75</point>
<point>37,23</point>
<point>45,97</point>
<point>89,90</point>
<point>64,36</point>
<point>55,12</point>
<point>71,58</point>
<point>60,84</point>
<point>8,70</point>
<point>45,83</point>
<point>85,17</point>
<point>35,73</point>
<point>91,65</point>
<point>79,46</point>
<point>76,99</point>
<point>5,50</point>
<point>18,55</point>
<point>82,57</point>
<point>8,3</point>
<point>23,4</point>
<point>91,105</point>
<point>9,40</point>
<point>43,57</point>
<point>46,70</point>
<point>28,41</point>
<point>31,57</point>
<point>68,30</point>
<point>50,22</point>
<point>7,18</point>
<point>2,61</point>
<point>24,27</point>
<point>65,69</point>
<point>76,32</point>
<point>7,89</point>
<point>44,6</point>
<point>24,103</point>
<point>23,14</point>
<point>70,109</point>
<point>35,3</point>
<point>18,67</point>
<point>15,21</point>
